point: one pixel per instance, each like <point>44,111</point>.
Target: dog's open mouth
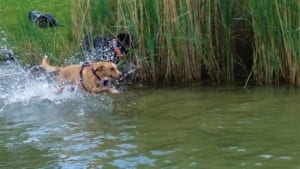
<point>105,82</point>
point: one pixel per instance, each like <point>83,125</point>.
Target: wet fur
<point>71,75</point>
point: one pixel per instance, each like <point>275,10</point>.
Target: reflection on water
<point>145,128</point>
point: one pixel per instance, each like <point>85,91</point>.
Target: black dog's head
<point>34,15</point>
<point>125,41</point>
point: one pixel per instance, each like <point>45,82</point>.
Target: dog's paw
<point>114,91</point>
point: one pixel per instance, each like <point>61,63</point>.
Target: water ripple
<point>133,162</point>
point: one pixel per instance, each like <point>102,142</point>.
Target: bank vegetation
<point>203,41</point>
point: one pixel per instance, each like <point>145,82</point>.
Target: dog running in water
<point>87,76</point>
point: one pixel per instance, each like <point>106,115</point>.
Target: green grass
<point>31,42</point>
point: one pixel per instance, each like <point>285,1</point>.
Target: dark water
<point>208,128</point>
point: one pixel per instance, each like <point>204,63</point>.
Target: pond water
<point>201,127</point>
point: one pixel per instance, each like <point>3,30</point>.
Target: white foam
<point>20,87</point>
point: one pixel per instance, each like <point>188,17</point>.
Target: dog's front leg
<point>60,90</point>
<point>113,91</point>
<point>61,87</point>
<point>105,89</point>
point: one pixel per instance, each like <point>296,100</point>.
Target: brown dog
<point>87,76</point>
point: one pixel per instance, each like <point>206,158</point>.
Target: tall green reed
<point>275,25</point>
<point>183,41</point>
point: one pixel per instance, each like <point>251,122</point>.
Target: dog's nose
<point>119,74</point>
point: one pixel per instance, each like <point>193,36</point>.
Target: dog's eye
<point>112,69</point>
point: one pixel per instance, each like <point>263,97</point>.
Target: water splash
<point>24,88</point>
<point>6,53</point>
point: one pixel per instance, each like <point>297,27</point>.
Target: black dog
<point>42,20</point>
<point>111,49</point>
<point>108,48</point>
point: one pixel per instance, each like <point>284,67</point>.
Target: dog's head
<point>33,15</point>
<point>107,69</point>
<point>125,41</point>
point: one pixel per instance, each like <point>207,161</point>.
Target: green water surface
<point>205,128</point>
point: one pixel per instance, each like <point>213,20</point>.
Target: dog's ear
<point>125,39</point>
<point>100,68</point>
